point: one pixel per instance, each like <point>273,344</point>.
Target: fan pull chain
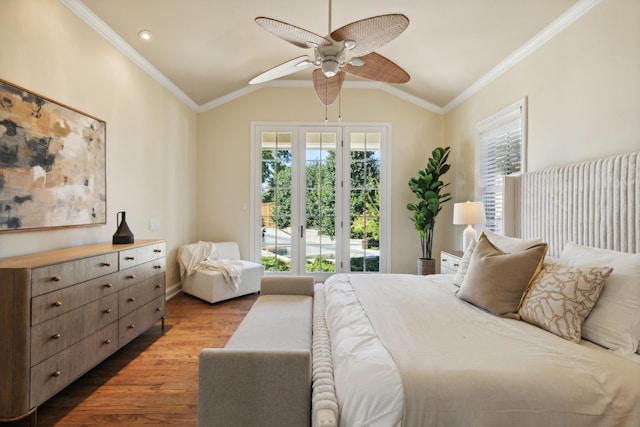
<point>340,107</point>
<point>326,107</point>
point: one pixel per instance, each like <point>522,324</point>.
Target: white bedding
<point>473,368</point>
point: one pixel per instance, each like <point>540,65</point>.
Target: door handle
<point>301,231</point>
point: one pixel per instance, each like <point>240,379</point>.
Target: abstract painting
<point>52,163</point>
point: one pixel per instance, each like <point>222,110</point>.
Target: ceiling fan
<point>348,49</point>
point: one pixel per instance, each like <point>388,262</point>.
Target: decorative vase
<point>123,233</point>
<point>426,266</point>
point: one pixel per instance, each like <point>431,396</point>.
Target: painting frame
<point>52,163</point>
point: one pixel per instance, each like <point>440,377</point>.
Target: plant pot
<point>426,266</point>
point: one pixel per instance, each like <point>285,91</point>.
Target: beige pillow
<point>504,243</point>
<point>509,244</point>
<point>496,281</point>
<point>561,297</point>
<point>464,264</point>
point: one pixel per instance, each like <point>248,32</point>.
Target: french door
<point>320,207</point>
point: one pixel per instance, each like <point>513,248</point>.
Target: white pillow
<point>509,245</point>
<point>614,322</point>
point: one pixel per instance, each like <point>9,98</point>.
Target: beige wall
<point>583,92</point>
<point>151,135</point>
<point>582,87</point>
<point>224,169</point>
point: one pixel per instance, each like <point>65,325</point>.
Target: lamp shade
<point>468,213</point>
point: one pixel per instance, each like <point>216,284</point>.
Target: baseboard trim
<point>173,291</point>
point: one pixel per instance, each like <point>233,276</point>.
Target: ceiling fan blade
<point>372,33</point>
<point>327,88</point>
<point>377,67</point>
<point>294,35</point>
<point>289,67</point>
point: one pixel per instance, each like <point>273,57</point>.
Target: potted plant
<point>427,187</point>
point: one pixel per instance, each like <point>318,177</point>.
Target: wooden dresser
<point>64,311</point>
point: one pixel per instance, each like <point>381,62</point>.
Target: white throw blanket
<point>204,256</point>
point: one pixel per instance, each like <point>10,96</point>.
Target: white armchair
<point>210,285</point>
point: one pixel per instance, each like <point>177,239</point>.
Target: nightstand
<point>450,261</point>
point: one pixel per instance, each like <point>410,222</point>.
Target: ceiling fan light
<point>350,44</point>
<point>330,68</point>
<point>356,61</point>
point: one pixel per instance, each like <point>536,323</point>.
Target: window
<point>320,198</point>
<point>501,151</point>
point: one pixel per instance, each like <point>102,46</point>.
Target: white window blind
<point>501,148</point>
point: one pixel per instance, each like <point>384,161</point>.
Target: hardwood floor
<point>153,379</point>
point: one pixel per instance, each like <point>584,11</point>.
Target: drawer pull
<point>107,311</point>
<point>57,304</point>
<point>56,374</point>
<point>55,278</point>
<point>132,326</point>
<point>56,336</point>
<point>157,266</point>
<point>157,251</point>
<point>132,299</point>
<point>158,308</point>
<point>131,276</point>
<point>107,341</point>
<point>129,258</point>
<point>445,260</point>
<point>455,264</point>
<point>106,264</point>
<point>158,286</point>
<point>108,285</point>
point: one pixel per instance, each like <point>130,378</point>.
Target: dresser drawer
<point>62,301</point>
<point>58,276</point>
<point>136,256</point>
<point>57,334</point>
<point>142,272</point>
<point>139,294</point>
<point>53,374</point>
<point>133,324</point>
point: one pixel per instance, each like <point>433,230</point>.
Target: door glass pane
<point>320,195</point>
<point>276,148</point>
<point>364,250</point>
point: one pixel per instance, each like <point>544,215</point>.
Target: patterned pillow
<point>464,264</point>
<point>561,297</point>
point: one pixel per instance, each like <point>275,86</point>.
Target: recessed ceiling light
<point>145,35</point>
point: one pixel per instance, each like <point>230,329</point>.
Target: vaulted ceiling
<point>208,50</point>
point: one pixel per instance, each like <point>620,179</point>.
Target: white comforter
<point>464,367</point>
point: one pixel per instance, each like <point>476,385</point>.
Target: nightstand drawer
<point>450,262</point>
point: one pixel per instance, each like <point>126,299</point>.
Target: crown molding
<point>80,9</point>
<point>307,83</point>
<point>565,20</point>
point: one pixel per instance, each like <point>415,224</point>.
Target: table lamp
<point>468,213</point>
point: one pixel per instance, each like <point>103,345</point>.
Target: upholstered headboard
<point>594,203</point>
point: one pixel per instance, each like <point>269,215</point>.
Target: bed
<point>541,329</point>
